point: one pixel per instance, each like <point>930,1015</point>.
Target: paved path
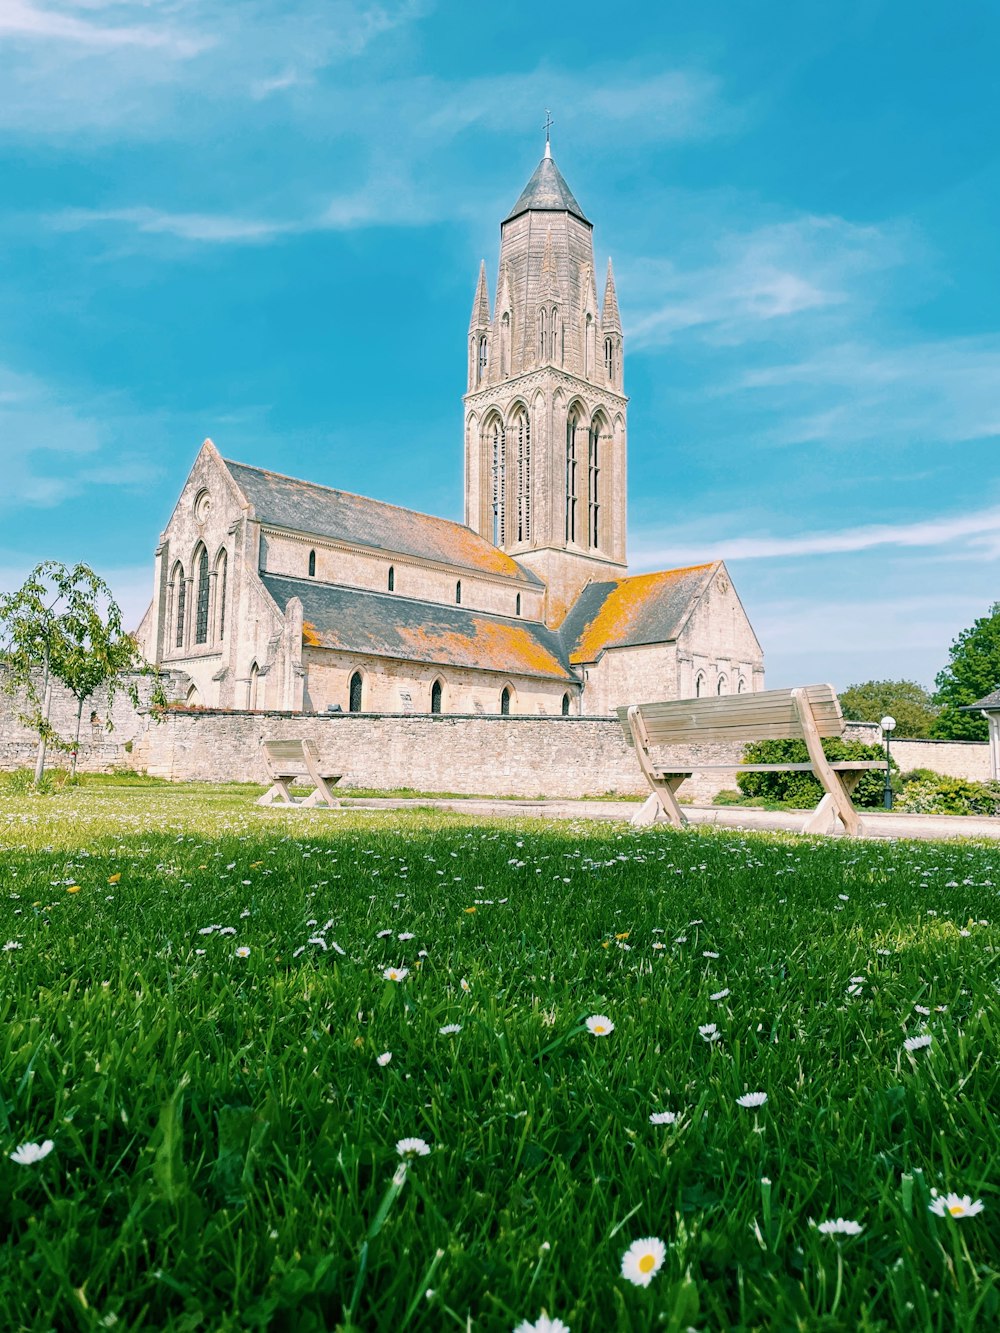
<point>877,823</point>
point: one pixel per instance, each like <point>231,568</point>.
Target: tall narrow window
<point>699,685</point>
<point>392,579</point>
<point>588,336</point>
<point>505,345</point>
<point>565,705</point>
<point>354,702</point>
<point>523,478</point>
<point>252,686</point>
<point>594,480</point>
<point>221,565</point>
<point>609,357</point>
<point>458,592</point>
<point>517,605</point>
<point>571,426</point>
<point>481,361</point>
<point>312,564</point>
<point>498,471</point>
<point>181,605</point>
<point>543,334</point>
<point>722,685</point>
<point>505,702</point>
<point>201,607</point>
<point>436,692</point>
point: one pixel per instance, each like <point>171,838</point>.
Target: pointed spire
<point>481,303</point>
<point>611,320</point>
<point>504,300</point>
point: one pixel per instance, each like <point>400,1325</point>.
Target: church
<point>275,593</point>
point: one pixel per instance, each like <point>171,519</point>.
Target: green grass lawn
<point>194,1003</point>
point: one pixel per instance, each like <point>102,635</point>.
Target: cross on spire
<point>549,122</point>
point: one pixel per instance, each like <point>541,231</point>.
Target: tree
<point>64,625</point>
<point>909,703</point>
<point>974,671</point>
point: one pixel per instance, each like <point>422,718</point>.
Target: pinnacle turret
<point>480,319</point>
<point>611,321</point>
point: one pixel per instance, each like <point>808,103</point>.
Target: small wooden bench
<point>806,714</point>
<point>290,761</point>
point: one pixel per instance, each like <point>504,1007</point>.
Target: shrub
<point>935,794</point>
<point>804,789</point>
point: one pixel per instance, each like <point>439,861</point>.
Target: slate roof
<point>324,512</point>
<point>356,620</point>
<point>646,608</point>
<point>547,192</point>
<point>988,701</point>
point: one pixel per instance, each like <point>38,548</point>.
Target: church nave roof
<point>321,511</point>
<point>357,620</point>
<point>629,612</point>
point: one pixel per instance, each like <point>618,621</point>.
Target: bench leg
<point>277,795</point>
<point>825,817</point>
<point>322,795</point>
<point>662,803</point>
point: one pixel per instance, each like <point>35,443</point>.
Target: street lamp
<point>888,725</point>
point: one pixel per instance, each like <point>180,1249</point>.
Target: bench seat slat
<point>838,766</point>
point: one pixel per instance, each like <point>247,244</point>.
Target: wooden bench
<point>805,714</point>
<point>290,761</point>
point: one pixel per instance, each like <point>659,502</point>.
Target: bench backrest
<point>768,715</point>
<point>290,757</point>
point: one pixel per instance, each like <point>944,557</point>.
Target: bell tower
<point>545,408</point>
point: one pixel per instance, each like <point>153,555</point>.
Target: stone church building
<point>275,593</point>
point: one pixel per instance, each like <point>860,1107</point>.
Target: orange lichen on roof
<point>622,607</point>
<point>493,647</point>
<point>309,636</point>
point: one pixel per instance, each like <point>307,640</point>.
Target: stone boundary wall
<point>100,750</point>
<point>470,755</point>
<point>956,759</point>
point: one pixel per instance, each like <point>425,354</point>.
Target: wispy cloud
<point>975,529</point>
<point>757,277</point>
<point>55,23</point>
<point>203,227</point>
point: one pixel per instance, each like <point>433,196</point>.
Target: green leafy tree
<point>909,703</point>
<point>64,625</point>
<point>974,671</point>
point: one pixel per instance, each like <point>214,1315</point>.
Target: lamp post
<point>888,725</point>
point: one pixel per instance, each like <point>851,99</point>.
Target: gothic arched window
<point>481,360</point>
<point>354,700</point>
<point>522,434</point>
<point>312,564</point>
<point>497,443</point>
<point>458,593</point>
<point>594,476</point>
<point>609,357</point>
<point>741,686</point>
<point>252,686</point>
<point>221,567</point>
<point>181,585</point>
<point>517,605</point>
<point>436,692</point>
<point>505,345</point>
<point>699,685</point>
<point>565,705</point>
<point>571,425</point>
<point>722,685</point>
<point>201,606</point>
<point>543,334</point>
<point>392,578</point>
<point>505,702</point>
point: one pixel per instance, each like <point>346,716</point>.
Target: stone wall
<point>956,759</point>
<point>100,750</point>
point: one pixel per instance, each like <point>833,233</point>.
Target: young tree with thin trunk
<point>64,625</point>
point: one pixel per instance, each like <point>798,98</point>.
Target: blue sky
<point>234,221</point>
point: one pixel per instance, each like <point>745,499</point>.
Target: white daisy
<point>543,1324</point>
<point>396,973</point>
<point>840,1226</point>
<point>30,1153</point>
<point>12,944</point>
<point>383,1059</point>
<point>406,935</point>
<point>465,985</point>
<point>709,1031</point>
<point>751,1100</point>
<point>720,994</point>
<point>382,934</point>
<point>600,1025</point>
<point>243,951</point>
<point>643,1260</point>
<point>450,1029</point>
<point>663,1117</point>
<point>918,1043</point>
<point>412,1147</point>
<point>955,1205</point>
